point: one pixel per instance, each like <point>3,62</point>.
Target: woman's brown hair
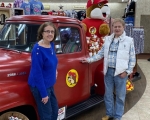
<point>41,29</point>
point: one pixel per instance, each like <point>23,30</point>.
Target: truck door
<point>72,84</point>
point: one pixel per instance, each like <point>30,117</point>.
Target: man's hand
<point>45,99</point>
<point>123,75</point>
<point>84,60</point>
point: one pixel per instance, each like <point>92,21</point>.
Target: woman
<point>119,60</point>
<point>43,72</point>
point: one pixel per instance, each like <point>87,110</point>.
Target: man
<point>119,60</point>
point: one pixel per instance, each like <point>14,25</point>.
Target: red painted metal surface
<point>43,18</point>
<point>14,71</point>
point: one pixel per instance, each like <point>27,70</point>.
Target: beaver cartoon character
<point>95,24</point>
<point>72,78</point>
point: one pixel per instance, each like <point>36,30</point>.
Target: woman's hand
<point>45,99</point>
<point>123,75</point>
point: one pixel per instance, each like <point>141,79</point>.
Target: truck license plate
<point>61,113</point>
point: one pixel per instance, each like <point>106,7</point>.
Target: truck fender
<point>14,93</point>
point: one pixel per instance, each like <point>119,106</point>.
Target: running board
<point>92,101</point>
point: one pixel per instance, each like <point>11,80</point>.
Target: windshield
<point>19,36</point>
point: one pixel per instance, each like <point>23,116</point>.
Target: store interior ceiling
<point>68,1</point>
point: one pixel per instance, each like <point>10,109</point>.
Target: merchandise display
<point>36,6</point>
<point>71,13</point>
<point>9,5</point>
<point>128,29</point>
<point>2,5</point>
<point>129,12</point>
<point>137,33</point>
<point>81,15</point>
<point>17,3</point>
<point>26,6</point>
<point>138,36</point>
<point>129,19</point>
<point>60,12</point>
<point>129,86</point>
<point>130,8</point>
<point>78,14</point>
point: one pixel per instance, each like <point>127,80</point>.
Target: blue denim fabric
<point>48,111</point>
<point>114,107</point>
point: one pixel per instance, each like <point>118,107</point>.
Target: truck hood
<point>13,63</point>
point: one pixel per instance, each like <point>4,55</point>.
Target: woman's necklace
<point>49,46</point>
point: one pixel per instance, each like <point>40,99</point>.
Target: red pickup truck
<point>79,86</point>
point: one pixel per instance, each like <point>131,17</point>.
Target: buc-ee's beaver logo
<point>72,78</point>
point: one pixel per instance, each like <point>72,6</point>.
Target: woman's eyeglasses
<point>49,31</point>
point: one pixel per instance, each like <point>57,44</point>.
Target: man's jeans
<point>48,111</point>
<point>114,108</point>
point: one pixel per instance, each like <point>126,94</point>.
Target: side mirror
<point>2,19</point>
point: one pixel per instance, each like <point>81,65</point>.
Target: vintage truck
<point>79,86</point>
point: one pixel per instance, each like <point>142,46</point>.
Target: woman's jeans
<point>114,108</point>
<point>48,111</point>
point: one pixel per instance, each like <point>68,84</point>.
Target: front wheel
<point>12,115</point>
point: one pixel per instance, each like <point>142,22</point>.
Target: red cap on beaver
<point>91,2</point>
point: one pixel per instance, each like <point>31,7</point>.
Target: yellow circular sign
<point>72,78</point>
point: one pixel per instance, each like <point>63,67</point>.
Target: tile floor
<point>141,110</point>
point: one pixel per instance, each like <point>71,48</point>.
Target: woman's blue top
<point>43,68</point>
